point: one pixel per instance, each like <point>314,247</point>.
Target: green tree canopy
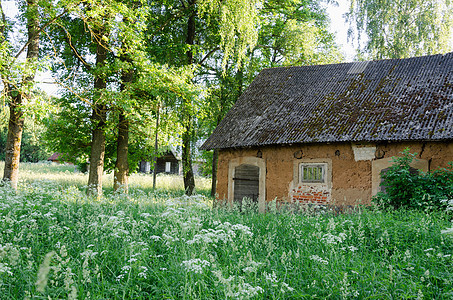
<point>401,28</point>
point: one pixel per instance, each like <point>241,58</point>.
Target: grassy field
<point>56,243</point>
<point>67,176</point>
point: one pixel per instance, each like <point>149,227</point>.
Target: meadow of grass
<point>67,176</point>
<point>55,243</point>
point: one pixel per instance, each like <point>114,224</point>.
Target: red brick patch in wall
<point>311,194</point>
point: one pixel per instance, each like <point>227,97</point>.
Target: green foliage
<point>32,149</point>
<point>415,190</point>
<point>294,32</point>
<point>237,23</point>
<point>206,164</point>
<point>402,29</point>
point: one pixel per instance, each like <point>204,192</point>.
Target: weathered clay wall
<point>351,180</point>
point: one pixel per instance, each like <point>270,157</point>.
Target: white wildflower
<point>447,231</point>
<point>63,251</point>
<point>352,248</point>
<point>195,265</point>
<point>143,272</point>
<point>5,269</point>
<point>245,230</point>
<point>329,238</point>
<point>286,286</point>
<point>249,269</point>
<point>271,277</point>
<point>119,277</point>
<point>126,268</point>
<point>89,254</point>
<point>247,290</point>
<point>252,267</point>
<point>169,238</point>
<point>319,259</point>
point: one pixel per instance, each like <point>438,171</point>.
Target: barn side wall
<point>353,169</point>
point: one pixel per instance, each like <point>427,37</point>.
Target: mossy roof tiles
<point>387,100</point>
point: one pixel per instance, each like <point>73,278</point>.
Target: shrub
<point>415,190</point>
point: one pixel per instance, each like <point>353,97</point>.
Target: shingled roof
<point>386,100</point>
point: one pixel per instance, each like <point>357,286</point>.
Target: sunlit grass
<point>66,175</point>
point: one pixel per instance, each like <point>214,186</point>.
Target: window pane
<point>312,173</point>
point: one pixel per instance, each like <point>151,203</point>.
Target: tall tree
<point>19,92</point>
<point>187,120</point>
<point>93,30</point>
<point>99,113</point>
<point>202,27</point>
<point>126,87</point>
<point>121,171</point>
<point>401,28</point>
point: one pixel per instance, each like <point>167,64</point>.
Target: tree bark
<point>156,145</point>
<point>16,119</point>
<point>13,141</point>
<point>97,155</point>
<point>121,173</point>
<point>98,118</point>
<point>189,180</point>
<point>215,160</point>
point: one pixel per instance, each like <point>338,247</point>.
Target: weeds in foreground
<point>58,243</point>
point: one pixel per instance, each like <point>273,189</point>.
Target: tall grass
<point>55,242</point>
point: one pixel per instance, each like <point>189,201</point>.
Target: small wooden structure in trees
<point>167,163</point>
<point>55,157</point>
<point>323,134</point>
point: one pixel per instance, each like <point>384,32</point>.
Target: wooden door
<point>246,182</point>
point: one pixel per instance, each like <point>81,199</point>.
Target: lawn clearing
<point>55,243</point>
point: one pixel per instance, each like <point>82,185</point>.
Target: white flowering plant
<point>56,242</point>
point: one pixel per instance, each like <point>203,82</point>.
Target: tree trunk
<point>121,172</point>
<point>13,141</point>
<point>215,160</point>
<point>156,145</point>
<point>189,180</point>
<point>98,118</point>
<point>16,119</point>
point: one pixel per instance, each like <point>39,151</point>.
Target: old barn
<point>323,134</point>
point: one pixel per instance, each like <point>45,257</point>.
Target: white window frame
<point>168,166</point>
<point>306,165</point>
